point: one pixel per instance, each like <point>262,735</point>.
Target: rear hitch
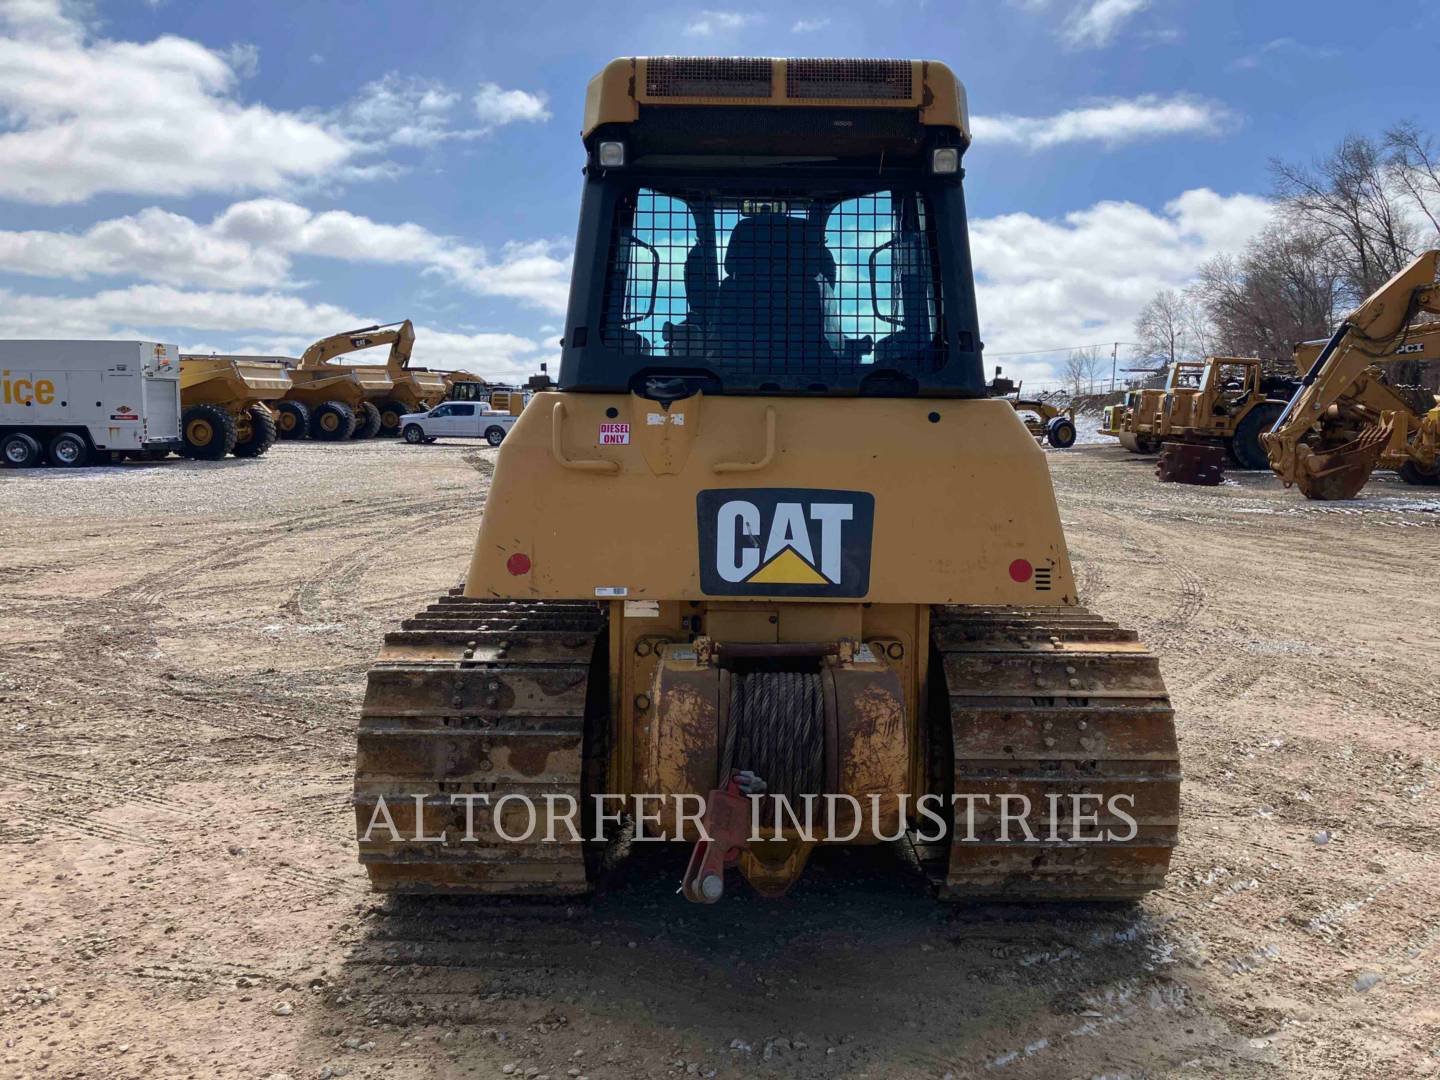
<point>727,824</point>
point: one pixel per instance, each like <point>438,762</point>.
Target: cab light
<point>611,155</point>
<point>945,161</point>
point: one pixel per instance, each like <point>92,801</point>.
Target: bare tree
<point>1415,166</point>
<point>1172,326</point>
<point>1349,199</point>
<point>1082,369</point>
<point>1285,288</point>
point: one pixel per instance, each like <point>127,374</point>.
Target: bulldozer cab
<point>820,251</point>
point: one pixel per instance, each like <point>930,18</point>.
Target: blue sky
<point>253,176</point>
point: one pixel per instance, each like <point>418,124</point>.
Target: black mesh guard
<point>778,287</point>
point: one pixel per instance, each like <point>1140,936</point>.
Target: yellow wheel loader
<point>769,555</point>
<point>1346,420</point>
<point>227,403</point>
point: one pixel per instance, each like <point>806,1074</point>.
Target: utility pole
<point>1114,352</point>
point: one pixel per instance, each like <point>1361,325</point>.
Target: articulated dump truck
<point>768,542</point>
<point>227,403</point>
<point>377,395</point>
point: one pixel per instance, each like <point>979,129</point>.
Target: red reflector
<point>518,564</point>
<point>1021,570</point>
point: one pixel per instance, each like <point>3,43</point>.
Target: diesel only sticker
<point>785,542</point>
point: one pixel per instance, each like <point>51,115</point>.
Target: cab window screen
<point>774,282</point>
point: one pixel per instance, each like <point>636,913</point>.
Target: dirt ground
<point>182,653</point>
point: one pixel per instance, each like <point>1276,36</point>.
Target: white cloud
<point>710,23</point>
<point>252,245</point>
<point>398,110</point>
<point>1110,122</point>
<point>1096,22</point>
<point>1284,46</point>
<point>265,324</point>
<point>81,116</point>
<point>496,106</point>
<point>809,26</point>
<point>1051,283</point>
<point>243,58</point>
<point>85,117</point>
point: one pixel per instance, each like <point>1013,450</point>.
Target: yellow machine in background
<point>1047,422</point>
<point>1226,401</point>
<point>770,534</point>
<point>386,391</point>
<point>226,403</point>
<point>1345,420</point>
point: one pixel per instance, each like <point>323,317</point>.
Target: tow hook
<point>727,823</point>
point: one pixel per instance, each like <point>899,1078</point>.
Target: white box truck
<point>72,402</point>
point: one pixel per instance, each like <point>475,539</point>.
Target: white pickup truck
<point>71,402</point>
<point>457,420</point>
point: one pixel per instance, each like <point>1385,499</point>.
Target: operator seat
<point>770,309</point>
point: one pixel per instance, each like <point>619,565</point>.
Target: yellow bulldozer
<point>1346,419</point>
<point>768,553</point>
<point>226,404</point>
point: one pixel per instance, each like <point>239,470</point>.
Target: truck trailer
<point>73,402</point>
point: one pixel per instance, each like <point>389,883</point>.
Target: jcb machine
<point>769,543</point>
<point>227,402</point>
<point>1346,419</point>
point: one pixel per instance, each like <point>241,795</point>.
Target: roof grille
<point>866,79</point>
<point>707,76</point>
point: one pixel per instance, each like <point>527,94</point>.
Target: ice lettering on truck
<point>18,391</point>
<point>785,542</point>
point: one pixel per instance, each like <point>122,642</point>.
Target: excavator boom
<point>399,336</point>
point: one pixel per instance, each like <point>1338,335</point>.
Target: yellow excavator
<point>769,547</point>
<point>1346,420</point>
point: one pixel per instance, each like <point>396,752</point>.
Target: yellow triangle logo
<point>787,568</point>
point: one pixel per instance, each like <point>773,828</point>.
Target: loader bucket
<point>1191,463</point>
<point>1341,473</point>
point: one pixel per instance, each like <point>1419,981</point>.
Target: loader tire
<point>1053,704</point>
<point>332,421</point>
<point>262,433</point>
<point>1412,473</point>
<point>367,421</point>
<point>390,414</point>
<point>292,420</point>
<point>207,433</point>
<point>20,451</point>
<point>1060,433</point>
<point>1245,446</point>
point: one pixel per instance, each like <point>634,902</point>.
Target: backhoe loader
<point>227,403</point>
<point>768,544</point>
<point>1345,420</point>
